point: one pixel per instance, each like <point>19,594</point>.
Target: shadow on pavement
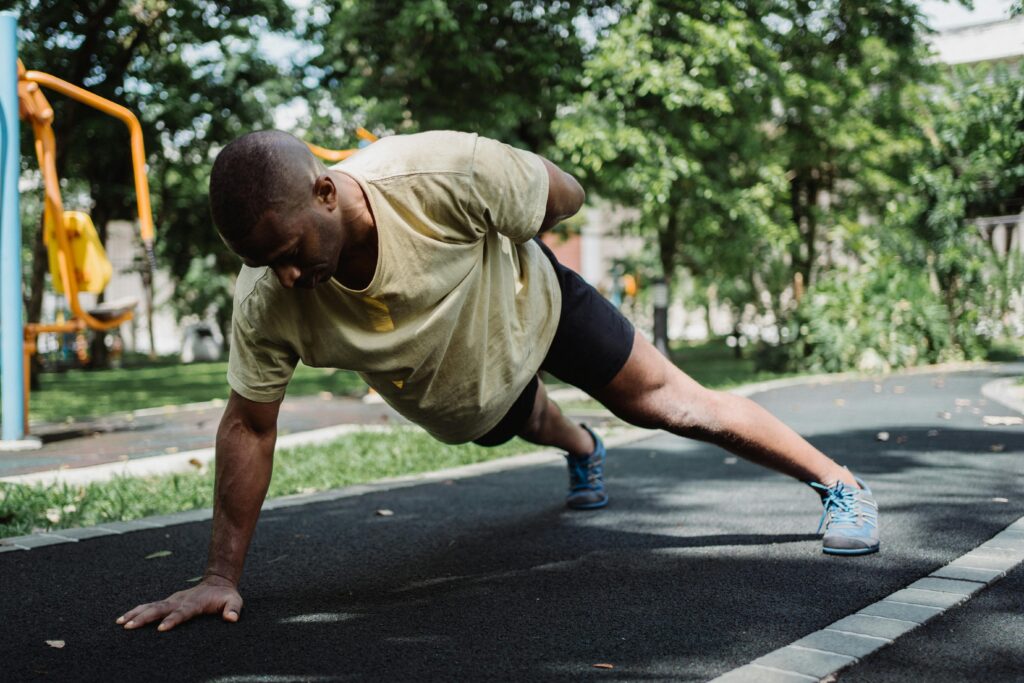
<point>699,564</point>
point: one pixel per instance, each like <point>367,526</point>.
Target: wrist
<point>217,578</point>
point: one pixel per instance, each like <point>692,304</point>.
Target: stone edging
<point>845,642</point>
<point>547,456</point>
<point>1007,392</point>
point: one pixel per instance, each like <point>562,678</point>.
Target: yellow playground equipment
<point>78,262</point>
<point>77,259</point>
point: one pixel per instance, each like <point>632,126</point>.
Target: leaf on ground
<point>55,643</point>
<point>840,402</point>
<point>158,553</point>
<point>196,462</point>
<point>1003,420</point>
<point>604,666</point>
<point>899,390</point>
<point>385,513</point>
<point>962,402</point>
<point>997,447</point>
<point>882,436</point>
<point>901,439</point>
<point>171,449</point>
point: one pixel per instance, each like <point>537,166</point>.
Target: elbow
<point>580,196</point>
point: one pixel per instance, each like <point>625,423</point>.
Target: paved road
<point>701,564</point>
<point>174,429</point>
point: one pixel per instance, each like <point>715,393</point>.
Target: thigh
<point>650,389</point>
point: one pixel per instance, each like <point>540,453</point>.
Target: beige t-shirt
<point>461,309</point>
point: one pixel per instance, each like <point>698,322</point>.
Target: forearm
<point>244,464</point>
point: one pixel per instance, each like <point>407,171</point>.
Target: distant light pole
<point>659,295</point>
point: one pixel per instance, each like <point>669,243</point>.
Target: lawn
<point>351,459</point>
<point>82,393</point>
<point>79,394</point>
<point>715,365</point>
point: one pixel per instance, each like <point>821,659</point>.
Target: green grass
<point>1006,350</point>
<point>351,459</point>
<point>715,365</point>
<point>79,394</point>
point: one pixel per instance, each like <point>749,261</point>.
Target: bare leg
<point>649,391</point>
<point>549,427</point>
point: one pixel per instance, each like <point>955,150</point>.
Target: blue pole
<point>11,340</point>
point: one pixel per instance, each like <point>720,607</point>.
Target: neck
<point>358,258</point>
<point>353,206</point>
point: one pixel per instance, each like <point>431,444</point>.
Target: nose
<point>287,275</point>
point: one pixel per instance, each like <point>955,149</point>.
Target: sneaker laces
<point>839,501</point>
<point>584,472</point>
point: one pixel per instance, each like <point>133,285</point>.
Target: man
<point>414,263</point>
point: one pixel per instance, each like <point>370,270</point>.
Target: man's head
<point>275,205</point>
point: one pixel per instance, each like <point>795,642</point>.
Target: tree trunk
<point>804,190</point>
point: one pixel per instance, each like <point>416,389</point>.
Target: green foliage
<point>875,319</point>
<point>499,68</point>
<point>973,167</point>
<point>204,291</point>
<point>191,70</point>
<point>669,123</point>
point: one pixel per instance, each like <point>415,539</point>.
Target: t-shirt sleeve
<point>259,368</point>
<point>511,189</point>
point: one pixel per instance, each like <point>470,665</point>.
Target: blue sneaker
<point>586,477</point>
<point>850,519</point>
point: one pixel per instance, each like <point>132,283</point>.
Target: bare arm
<point>245,459</point>
<point>245,456</point>
<point>565,196</point>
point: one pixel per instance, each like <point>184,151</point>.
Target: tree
<point>673,121</point>
<point>846,120</point>
<point>972,167</point>
<point>500,68</point>
<point>191,71</point>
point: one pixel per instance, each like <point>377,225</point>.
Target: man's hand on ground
<point>214,595</point>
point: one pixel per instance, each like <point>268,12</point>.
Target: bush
<point>872,320</point>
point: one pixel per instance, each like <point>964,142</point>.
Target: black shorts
<point>592,343</point>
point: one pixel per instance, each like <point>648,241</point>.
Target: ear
<point>326,192</point>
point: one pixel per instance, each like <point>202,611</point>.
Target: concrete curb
<point>1007,392</point>
<point>541,457</point>
<point>185,461</point>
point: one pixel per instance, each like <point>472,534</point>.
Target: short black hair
<point>254,173</point>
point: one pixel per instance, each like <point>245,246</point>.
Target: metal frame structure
<point>21,94</point>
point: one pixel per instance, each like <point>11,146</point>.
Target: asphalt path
<point>700,564</point>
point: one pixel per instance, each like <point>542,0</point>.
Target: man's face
<point>300,247</point>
